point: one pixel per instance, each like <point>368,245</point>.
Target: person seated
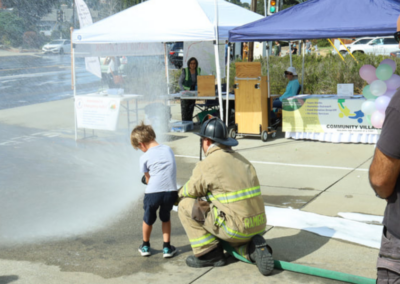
<point>292,87</point>
<point>188,82</point>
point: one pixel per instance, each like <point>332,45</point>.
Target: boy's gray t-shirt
<point>159,162</point>
<point>389,145</point>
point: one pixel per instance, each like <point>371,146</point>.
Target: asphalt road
<point>32,79</point>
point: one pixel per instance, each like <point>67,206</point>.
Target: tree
<point>31,11</point>
<point>11,29</point>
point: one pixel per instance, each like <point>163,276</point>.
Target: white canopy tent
<point>158,21</point>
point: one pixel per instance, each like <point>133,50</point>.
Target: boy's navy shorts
<point>163,200</point>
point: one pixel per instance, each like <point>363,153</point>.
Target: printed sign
<point>97,113</point>
<point>85,19</point>
<point>333,115</point>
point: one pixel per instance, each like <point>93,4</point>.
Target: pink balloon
<point>377,119</point>
<point>390,62</point>
<point>368,73</point>
<point>394,82</point>
<point>390,93</point>
<point>382,103</point>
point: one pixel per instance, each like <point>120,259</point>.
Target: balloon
<point>384,72</point>
<point>394,82</point>
<point>368,118</point>
<point>390,62</point>
<point>390,93</point>
<point>367,93</point>
<point>377,119</point>
<point>378,88</point>
<point>382,103</point>
<point>368,107</point>
<point>368,72</point>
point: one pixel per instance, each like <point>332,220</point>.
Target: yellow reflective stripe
<point>235,196</point>
<point>234,234</point>
<point>202,241</point>
<point>242,250</point>
<point>237,192</point>
<point>185,191</point>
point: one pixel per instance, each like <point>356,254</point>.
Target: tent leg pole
<point>73,81</point>
<point>218,69</point>
<point>166,66</point>
<point>290,53</point>
<point>302,72</point>
<point>227,84</point>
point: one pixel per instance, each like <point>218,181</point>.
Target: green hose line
<point>283,265</point>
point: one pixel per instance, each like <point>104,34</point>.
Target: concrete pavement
<point>318,177</point>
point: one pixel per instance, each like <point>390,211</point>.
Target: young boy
<point>158,165</point>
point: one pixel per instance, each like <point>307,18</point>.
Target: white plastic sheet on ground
<point>333,227</point>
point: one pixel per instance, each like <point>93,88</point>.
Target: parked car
<point>176,54</point>
<point>58,46</point>
<point>377,46</point>
<point>363,40</point>
<point>395,53</point>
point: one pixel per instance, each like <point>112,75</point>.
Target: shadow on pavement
<point>295,247</point>
<point>8,279</point>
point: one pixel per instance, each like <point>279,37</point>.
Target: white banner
<point>203,51</point>
<point>97,112</point>
<point>85,19</point>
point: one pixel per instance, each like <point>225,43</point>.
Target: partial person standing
<point>277,49</point>
<point>226,51</point>
<point>112,71</point>
<point>159,167</point>
<point>294,48</point>
<point>384,176</point>
<point>188,82</point>
<point>308,47</point>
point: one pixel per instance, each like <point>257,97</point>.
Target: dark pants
<point>187,109</point>
<point>153,201</point>
<point>389,259</point>
<point>277,103</point>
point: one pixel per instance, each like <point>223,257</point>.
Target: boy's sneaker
<point>169,252</point>
<point>144,250</point>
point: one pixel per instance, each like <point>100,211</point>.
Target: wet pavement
<point>32,79</point>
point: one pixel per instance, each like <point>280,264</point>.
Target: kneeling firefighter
<point>222,201</point>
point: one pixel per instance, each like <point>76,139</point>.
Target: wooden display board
<point>206,86</point>
<point>251,99</point>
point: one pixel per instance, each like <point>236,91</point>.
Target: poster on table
<point>325,115</point>
<point>97,113</point>
<point>203,51</point>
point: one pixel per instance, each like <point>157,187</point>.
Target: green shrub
<point>11,29</point>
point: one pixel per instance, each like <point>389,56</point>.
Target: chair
<point>299,90</point>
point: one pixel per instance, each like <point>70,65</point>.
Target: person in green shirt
<point>277,49</point>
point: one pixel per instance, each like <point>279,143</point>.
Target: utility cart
<point>251,102</point>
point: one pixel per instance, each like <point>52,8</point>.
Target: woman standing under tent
<point>188,82</point>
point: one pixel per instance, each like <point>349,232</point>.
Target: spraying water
<point>54,188</point>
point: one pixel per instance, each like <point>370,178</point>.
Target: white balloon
<point>368,107</point>
<point>378,88</point>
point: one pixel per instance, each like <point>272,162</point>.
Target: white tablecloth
<point>335,137</point>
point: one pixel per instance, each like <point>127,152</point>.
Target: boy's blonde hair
<point>142,134</point>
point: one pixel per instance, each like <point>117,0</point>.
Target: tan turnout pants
<point>205,237</point>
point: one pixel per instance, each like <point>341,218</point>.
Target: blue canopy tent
<point>315,19</point>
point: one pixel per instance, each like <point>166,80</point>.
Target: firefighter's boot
<point>261,254</point>
<point>215,258</point>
